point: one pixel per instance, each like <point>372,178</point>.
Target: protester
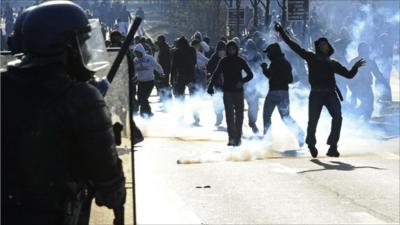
<point>280,76</point>
<point>361,85</point>
<point>218,82</point>
<point>164,59</point>
<point>144,66</point>
<point>231,68</point>
<point>324,92</point>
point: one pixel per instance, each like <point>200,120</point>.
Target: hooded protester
<point>201,66</point>
<point>280,76</point>
<point>251,94</point>
<point>204,47</point>
<point>183,72</point>
<point>231,68</point>
<point>123,20</point>
<point>183,66</point>
<point>324,92</point>
<point>115,39</point>
<point>200,76</point>
<point>144,67</point>
<point>211,66</point>
<point>361,86</point>
<point>164,58</point>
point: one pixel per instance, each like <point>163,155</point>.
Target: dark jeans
<point>144,91</point>
<point>163,88</point>
<point>330,100</point>
<point>281,100</point>
<point>234,107</point>
<point>252,99</point>
<point>180,87</point>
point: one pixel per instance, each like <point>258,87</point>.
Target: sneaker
<point>238,142</point>
<point>333,152</point>
<point>313,151</point>
<point>231,142</point>
<point>254,129</point>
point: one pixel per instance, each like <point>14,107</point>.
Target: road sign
<point>297,10</point>
<point>232,17</point>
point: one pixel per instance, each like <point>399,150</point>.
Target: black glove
<point>210,90</point>
<point>278,27</point>
<point>264,65</point>
<point>111,194</point>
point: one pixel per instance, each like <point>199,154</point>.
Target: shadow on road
<point>337,165</point>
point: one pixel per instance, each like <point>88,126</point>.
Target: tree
<point>207,16</point>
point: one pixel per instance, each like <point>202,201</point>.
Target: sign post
<point>297,10</point>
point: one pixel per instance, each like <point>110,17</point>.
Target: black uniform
<point>58,148</point>
<point>57,140</point>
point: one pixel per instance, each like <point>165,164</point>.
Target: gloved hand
<point>210,90</point>
<point>111,194</point>
<point>264,65</point>
<point>278,27</point>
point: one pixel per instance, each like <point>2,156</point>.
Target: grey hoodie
<point>145,66</point>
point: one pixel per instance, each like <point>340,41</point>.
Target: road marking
<point>366,218</point>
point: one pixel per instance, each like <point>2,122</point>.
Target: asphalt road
<point>261,182</point>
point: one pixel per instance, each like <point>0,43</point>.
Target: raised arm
<point>343,71</point>
<point>293,45</point>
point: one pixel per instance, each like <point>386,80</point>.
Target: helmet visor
<point>93,48</point>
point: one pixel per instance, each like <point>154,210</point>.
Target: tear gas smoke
<point>365,23</point>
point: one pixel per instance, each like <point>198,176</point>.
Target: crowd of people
<point>113,15</point>
<point>59,144</point>
<point>195,64</point>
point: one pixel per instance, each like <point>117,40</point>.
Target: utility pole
<point>238,3</point>
<point>283,8</point>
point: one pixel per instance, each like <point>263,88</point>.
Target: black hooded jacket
<point>321,69</point>
<point>164,57</point>
<point>279,72</point>
<point>183,62</point>
<point>231,68</point>
<point>213,63</point>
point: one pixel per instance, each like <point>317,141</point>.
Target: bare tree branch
<point>279,4</point>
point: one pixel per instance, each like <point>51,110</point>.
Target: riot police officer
<point>57,138</point>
